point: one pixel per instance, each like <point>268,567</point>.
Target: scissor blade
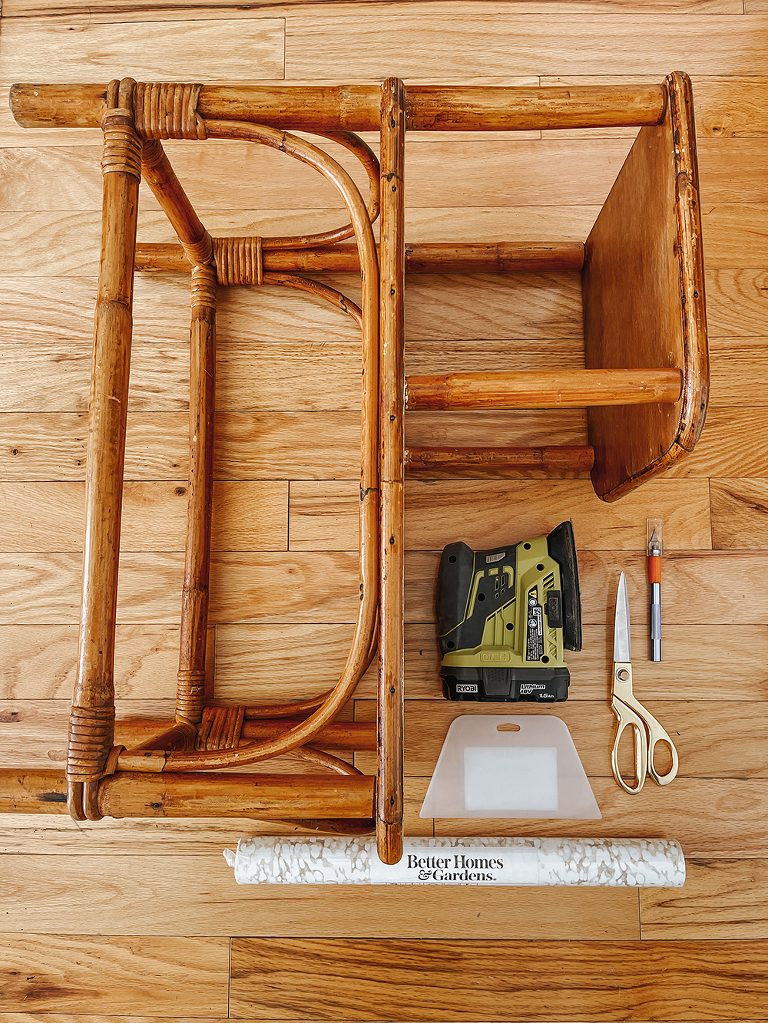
<point>621,647</point>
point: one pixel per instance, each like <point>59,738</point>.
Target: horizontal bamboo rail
<point>343,735</point>
<point>265,796</point>
<point>495,257</point>
<point>339,735</point>
<point>479,463</point>
<point>357,107</point>
<point>577,389</point>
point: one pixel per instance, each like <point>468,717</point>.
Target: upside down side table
<point>644,385</point>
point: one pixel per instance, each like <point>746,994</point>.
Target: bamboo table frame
<point>645,386</point>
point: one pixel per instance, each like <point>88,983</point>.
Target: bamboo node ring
<point>168,110</point>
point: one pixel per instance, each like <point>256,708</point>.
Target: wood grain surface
<point>684,980</point>
<point>114,975</point>
<point>161,932</point>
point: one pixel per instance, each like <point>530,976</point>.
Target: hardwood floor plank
<point>259,445</point>
<point>144,975</point>
<point>40,661</point>
<point>324,515</point>
<point>524,429</point>
<point>53,378</point>
<point>231,175</point>
<point>59,1017</point>
<point>723,587</point>
<point>445,307</point>
<point>463,980</point>
<point>200,897</point>
<point>278,662</point>
<point>58,312</point>
<point>50,446</point>
<point>66,244</point>
<point>299,376</point>
<point>260,662</point>
<point>452,44</point>
<point>716,158</point>
<point>138,836</point>
<point>739,377</point>
<point>739,513</point>
<point>42,50</point>
<point>731,445</point>
<point>713,740</point>
<point>715,587</point>
<point>39,589</point>
<point>708,817</point>
<point>737,303</point>
<point>35,244</point>
<point>217,174</point>
<point>735,233</point>
<point>698,662</point>
<point>29,8</point>
<point>45,517</point>
<point>721,899</point>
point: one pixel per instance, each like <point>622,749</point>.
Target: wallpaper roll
<point>632,862</point>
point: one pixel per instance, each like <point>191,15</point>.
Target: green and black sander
<point>506,615</point>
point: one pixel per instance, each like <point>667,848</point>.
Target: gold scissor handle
<point>657,734</point>
<point>648,733</point>
<point>628,718</point>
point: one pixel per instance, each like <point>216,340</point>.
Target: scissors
<point>629,711</point>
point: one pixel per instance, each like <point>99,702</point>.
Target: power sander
<point>505,616</point>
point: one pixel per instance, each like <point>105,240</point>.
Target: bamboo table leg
<point>190,694</point>
<point>93,705</point>
<point>389,824</point>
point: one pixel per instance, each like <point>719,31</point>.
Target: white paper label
<point>476,865</point>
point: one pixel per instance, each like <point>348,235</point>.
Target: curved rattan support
<point>368,158</point>
<point>239,259</point>
<point>320,758</point>
<point>360,652</point>
<point>311,287</point>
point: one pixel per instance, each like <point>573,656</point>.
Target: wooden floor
<point>159,929</point>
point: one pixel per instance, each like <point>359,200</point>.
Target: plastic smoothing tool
<point>494,765</point>
<point>630,712</point>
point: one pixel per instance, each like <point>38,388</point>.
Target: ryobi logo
<point>466,688</point>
